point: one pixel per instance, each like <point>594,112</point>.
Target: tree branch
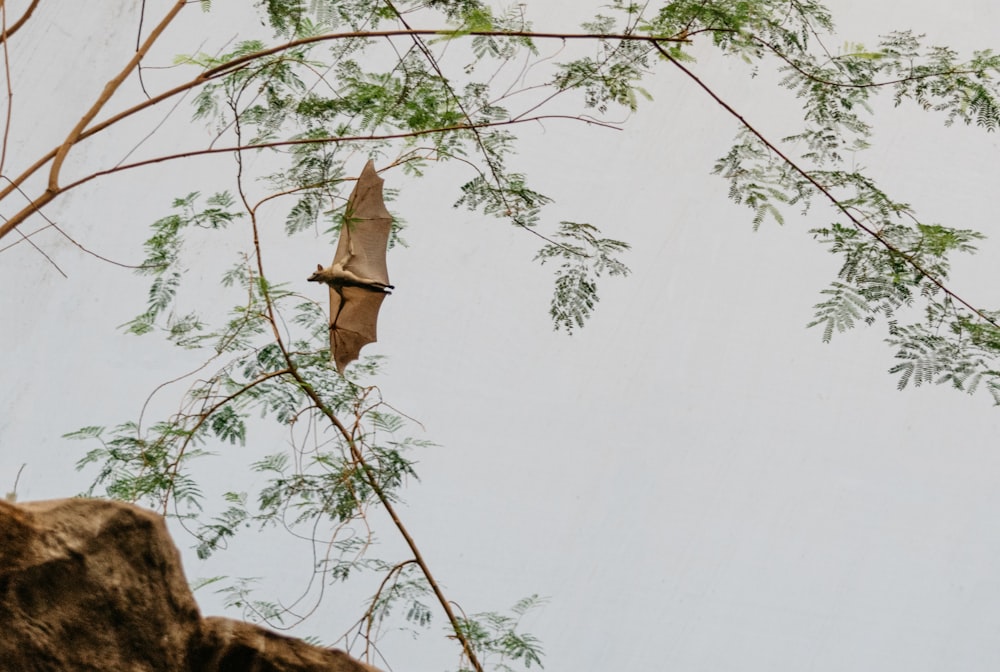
<point>913,263</point>
<point>236,62</point>
<point>349,440</point>
<point>20,22</point>
<point>106,94</point>
<point>15,220</point>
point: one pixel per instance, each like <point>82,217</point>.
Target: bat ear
<point>319,267</point>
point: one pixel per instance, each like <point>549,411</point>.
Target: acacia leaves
<point>583,258</point>
<point>164,263</point>
<point>892,263</point>
<point>498,639</point>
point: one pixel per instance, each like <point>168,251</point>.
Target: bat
<point>358,278</point>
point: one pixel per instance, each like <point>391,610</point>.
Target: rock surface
<point>90,585</point>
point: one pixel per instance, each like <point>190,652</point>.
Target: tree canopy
<point>329,84</point>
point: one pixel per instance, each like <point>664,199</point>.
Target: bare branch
<point>106,94</point>
<point>20,22</point>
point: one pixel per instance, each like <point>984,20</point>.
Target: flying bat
<point>358,278</point>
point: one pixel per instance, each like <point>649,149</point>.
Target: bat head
<point>315,277</point>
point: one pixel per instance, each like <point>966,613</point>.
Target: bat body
<point>358,278</point>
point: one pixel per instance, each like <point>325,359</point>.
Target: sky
<point>694,480</point>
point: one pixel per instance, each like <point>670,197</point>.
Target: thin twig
<point>43,253</point>
<point>138,42</point>
<point>26,238</point>
<point>10,88</point>
<point>174,466</point>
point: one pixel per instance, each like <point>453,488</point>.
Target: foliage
<point>496,639</point>
<point>339,78</point>
<point>584,258</point>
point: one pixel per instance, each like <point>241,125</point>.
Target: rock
<point>91,585</point>
<point>234,646</point>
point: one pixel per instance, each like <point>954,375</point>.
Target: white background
<point>694,480</point>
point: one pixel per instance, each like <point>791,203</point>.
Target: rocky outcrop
<point>94,586</point>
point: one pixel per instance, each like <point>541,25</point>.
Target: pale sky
<point>694,480</point>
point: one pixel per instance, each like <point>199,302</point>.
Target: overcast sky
<point>694,480</point>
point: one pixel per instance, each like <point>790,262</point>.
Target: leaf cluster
<point>583,258</point>
<point>497,639</point>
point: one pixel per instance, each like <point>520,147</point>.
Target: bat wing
<point>353,322</point>
<point>365,233</point>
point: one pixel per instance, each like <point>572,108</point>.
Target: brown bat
<point>358,278</point>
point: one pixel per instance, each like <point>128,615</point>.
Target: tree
<point>339,81</point>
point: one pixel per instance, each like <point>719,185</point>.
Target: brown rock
<point>234,646</point>
<point>90,585</point>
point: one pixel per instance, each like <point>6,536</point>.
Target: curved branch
<point>106,94</point>
<point>15,220</point>
<point>237,62</point>
<point>368,618</point>
<point>96,128</point>
<point>20,22</point>
<point>174,466</point>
